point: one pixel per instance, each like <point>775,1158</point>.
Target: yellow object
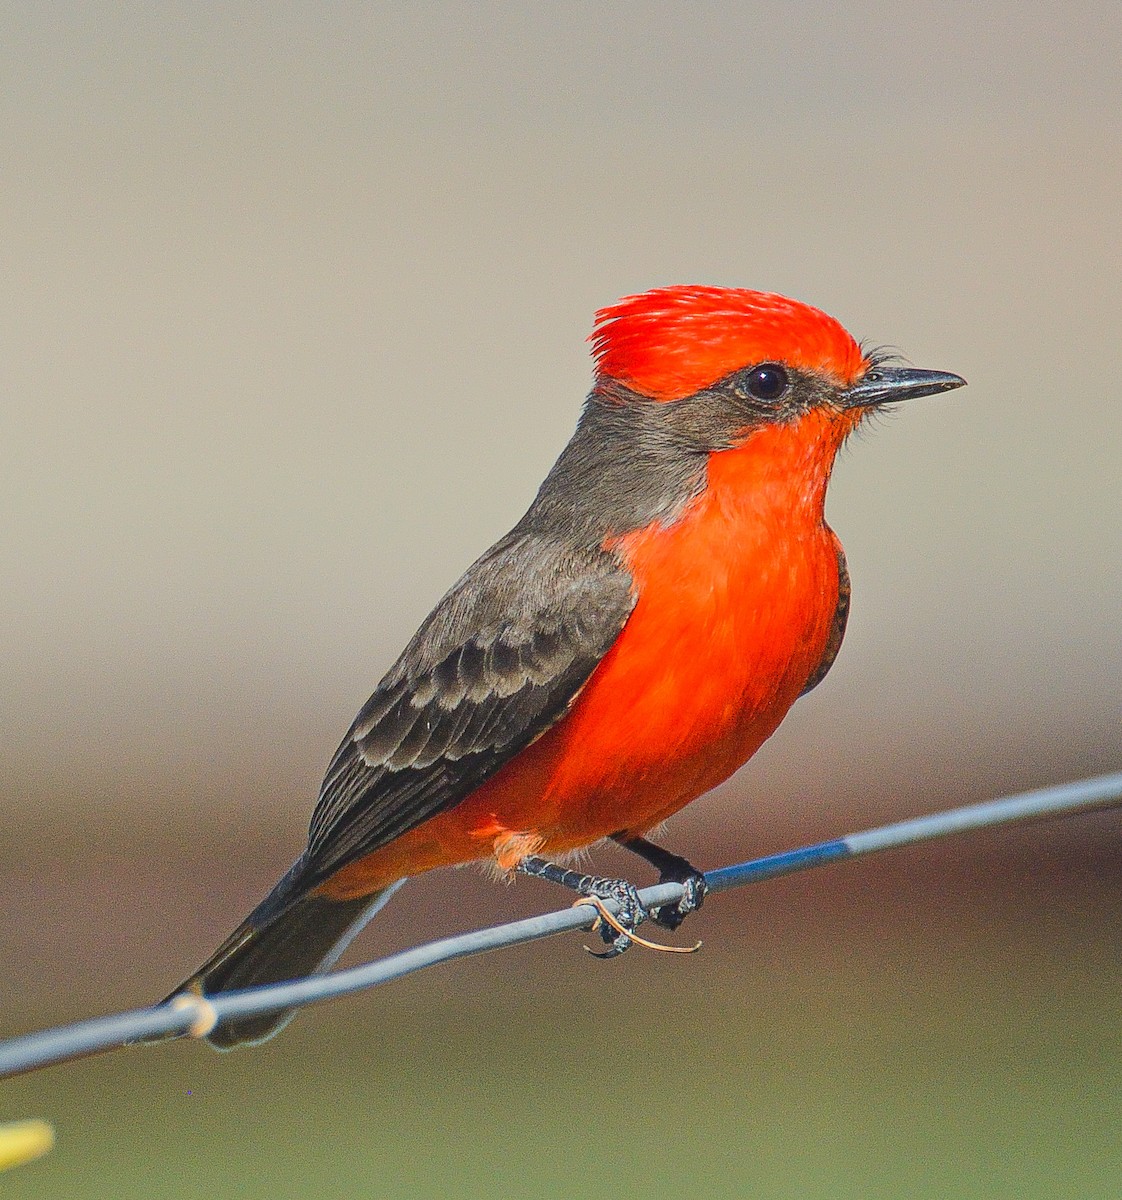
<point>22,1141</point>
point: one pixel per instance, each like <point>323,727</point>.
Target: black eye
<point>767,382</point>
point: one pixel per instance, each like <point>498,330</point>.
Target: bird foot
<point>670,916</point>
<point>624,936</point>
<point>672,868</point>
<point>617,930</point>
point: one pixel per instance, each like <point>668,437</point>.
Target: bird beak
<point>890,385</point>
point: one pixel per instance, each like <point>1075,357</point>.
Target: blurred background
<point>294,300</point>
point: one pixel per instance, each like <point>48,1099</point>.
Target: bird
<point>670,593</point>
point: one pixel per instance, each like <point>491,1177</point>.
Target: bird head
<point>739,393</point>
<point>746,358</point>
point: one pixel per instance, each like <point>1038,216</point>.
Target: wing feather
<point>837,628</point>
<point>495,664</point>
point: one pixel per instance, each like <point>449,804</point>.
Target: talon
<point>670,916</point>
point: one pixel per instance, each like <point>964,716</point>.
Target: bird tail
<point>291,934</point>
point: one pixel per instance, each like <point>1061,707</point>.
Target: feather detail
<point>670,342</point>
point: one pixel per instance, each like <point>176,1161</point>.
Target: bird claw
<point>617,930</point>
<point>670,916</point>
<point>624,928</point>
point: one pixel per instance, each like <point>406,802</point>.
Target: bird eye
<point>767,382</point>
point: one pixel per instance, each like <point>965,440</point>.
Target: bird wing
<point>499,660</point>
<point>837,629</point>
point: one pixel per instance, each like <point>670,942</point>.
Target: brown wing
<point>497,663</point>
<point>837,630</point>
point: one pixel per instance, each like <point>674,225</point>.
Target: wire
<point>195,1016</point>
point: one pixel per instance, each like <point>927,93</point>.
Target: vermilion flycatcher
<point>635,638</point>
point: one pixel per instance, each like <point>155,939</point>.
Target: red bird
<point>636,637</point>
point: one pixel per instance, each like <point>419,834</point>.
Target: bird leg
<point>672,868</point>
<point>617,936</point>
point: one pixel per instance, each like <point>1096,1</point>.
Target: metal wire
<point>196,1016</point>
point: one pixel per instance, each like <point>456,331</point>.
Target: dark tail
<point>289,935</point>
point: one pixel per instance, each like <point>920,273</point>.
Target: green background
<point>936,1022</point>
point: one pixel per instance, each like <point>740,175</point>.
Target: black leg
<point>671,868</point>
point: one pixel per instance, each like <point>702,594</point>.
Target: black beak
<point>890,385</point>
